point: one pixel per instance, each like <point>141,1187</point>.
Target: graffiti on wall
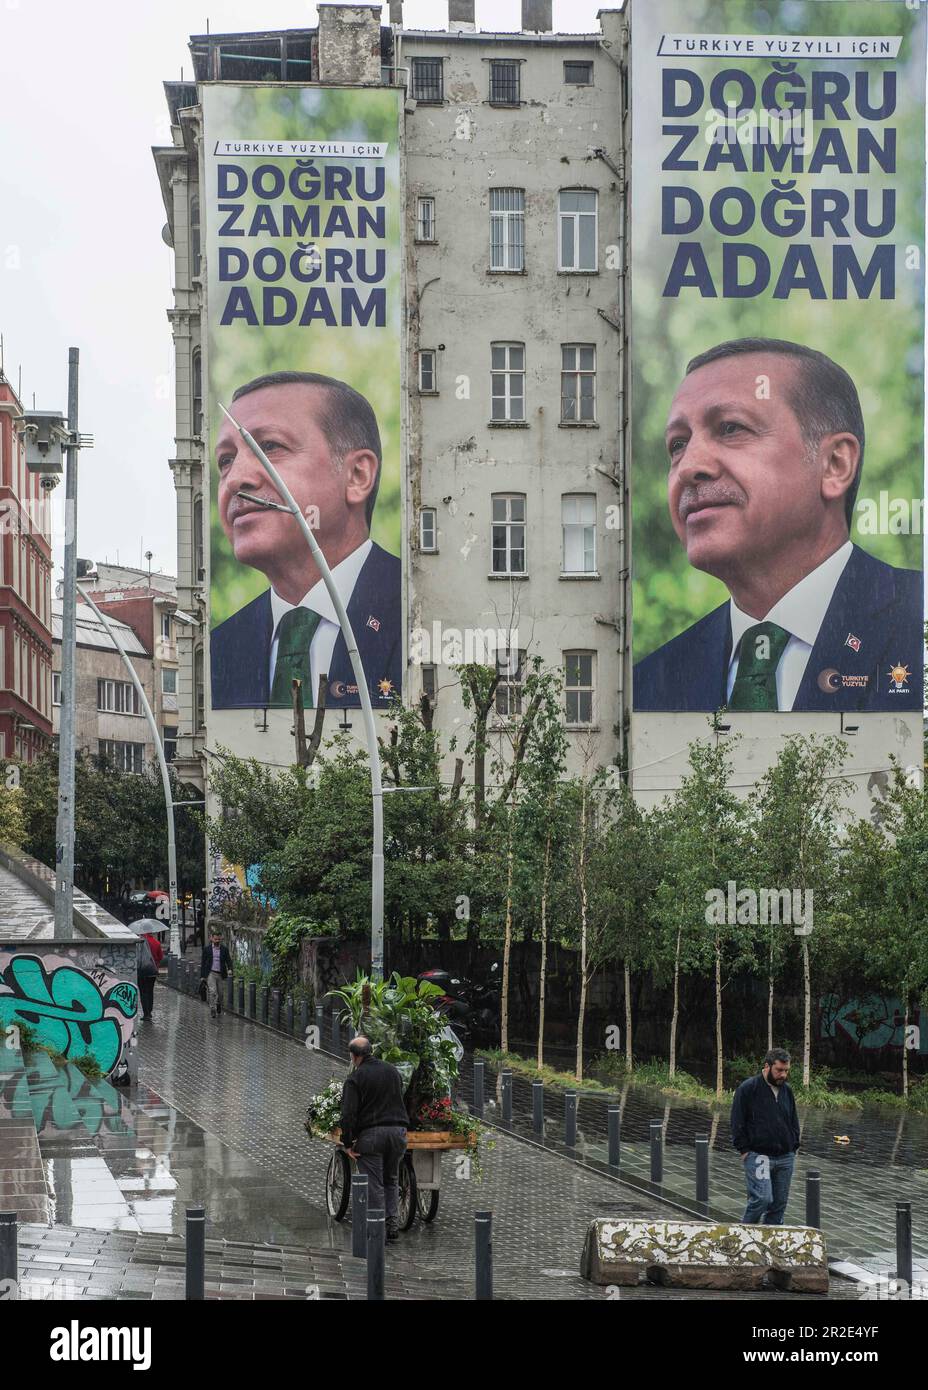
<point>871,1022</point>
<point>74,1011</point>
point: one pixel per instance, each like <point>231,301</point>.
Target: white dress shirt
<point>801,612</point>
<point>317,600</point>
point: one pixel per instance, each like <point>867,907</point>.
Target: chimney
<point>461,17</point>
<point>536,16</point>
<point>396,13</point>
<point>349,44</point>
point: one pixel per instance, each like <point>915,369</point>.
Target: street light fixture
<point>357,667</point>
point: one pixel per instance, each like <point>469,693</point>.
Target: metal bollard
<point>538,1107</point>
<point>570,1119</point>
<point>376,1250</point>
<point>335,1031</point>
<point>230,991</point>
<point>507,1097</point>
<point>252,996</point>
<point>9,1255</point>
<point>483,1231</point>
<point>241,997</point>
<point>814,1198</point>
<point>320,1024</point>
<point>263,1004</point>
<point>477,1104</point>
<point>702,1168</point>
<point>172,972</point>
<point>614,1119</point>
<point>657,1151</point>
<point>904,1243</point>
<point>304,1018</point>
<point>359,1215</point>
<point>275,1009</point>
<point>196,1254</point>
<point>290,1015</point>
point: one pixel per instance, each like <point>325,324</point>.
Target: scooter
<point>472,1008</point>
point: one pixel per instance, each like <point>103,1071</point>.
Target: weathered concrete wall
<point>349,43</point>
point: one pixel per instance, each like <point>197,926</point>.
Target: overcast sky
<point>81,257</point>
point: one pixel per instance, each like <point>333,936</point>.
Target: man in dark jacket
<point>215,966</point>
<point>374,1128</point>
<point>765,1132</point>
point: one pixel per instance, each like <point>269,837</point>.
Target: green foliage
<point>12,818</point>
<point>89,1066</point>
<point>283,939</point>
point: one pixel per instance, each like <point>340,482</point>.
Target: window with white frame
<point>510,667</point>
<point>507,381</point>
<point>168,680</point>
<point>199,570</point>
<point>428,529</point>
<point>577,236</point>
<point>508,533</point>
<point>197,391</point>
<point>507,228</point>
<point>578,687</point>
<point>578,528</point>
<point>117,697</point>
<point>427,80</point>
<point>167,630</point>
<point>425,219</point>
<point>428,372</point>
<point>578,382</point>
<point>199,689</point>
<point>170,746</point>
<point>125,757</point>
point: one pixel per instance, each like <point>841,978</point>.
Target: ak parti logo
<point>899,675</point>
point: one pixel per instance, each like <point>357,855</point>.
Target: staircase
<point>23,1188</point>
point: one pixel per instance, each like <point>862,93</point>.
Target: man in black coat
<point>215,966</point>
<point>373,1124</point>
<point>765,1132</point>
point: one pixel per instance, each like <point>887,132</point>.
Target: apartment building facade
<point>514,505</point>
<point>25,594</point>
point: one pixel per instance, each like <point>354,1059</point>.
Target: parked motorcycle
<point>471,1007</point>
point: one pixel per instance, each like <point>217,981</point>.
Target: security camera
<point>49,481</point>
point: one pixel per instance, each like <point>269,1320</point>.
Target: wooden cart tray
<point>425,1139</point>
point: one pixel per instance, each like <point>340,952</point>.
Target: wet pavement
<point>217,1120</point>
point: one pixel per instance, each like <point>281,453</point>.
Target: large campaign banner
<point>777,350</point>
<point>303,272</point>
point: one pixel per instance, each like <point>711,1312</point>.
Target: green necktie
<point>755,685</point>
<point>296,631</point>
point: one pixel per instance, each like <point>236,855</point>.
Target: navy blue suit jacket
<point>875,605</point>
<point>240,648</point>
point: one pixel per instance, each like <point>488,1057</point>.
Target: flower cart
<point>405,1030</point>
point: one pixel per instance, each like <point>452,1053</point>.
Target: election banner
<point>777,355</point>
<point>301,206</point>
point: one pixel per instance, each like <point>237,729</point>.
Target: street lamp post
<point>367,708</point>
<point>162,763</point>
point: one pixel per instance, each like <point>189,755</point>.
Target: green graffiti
<point>61,1098</point>
<point>67,1009</point>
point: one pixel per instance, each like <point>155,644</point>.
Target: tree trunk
<point>718,1016</point>
<point>583,936</point>
<point>676,1006</point>
<point>905,1051</point>
<point>507,943</point>
<point>629,1055</point>
<point>806,1015</point>
<point>770,996</point>
<point>544,952</point>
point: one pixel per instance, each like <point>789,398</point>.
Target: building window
<point>578,687</point>
<point>117,697</point>
<point>581,74</point>
<point>166,627</point>
<point>578,526</point>
<point>578,382</point>
<point>198,570</point>
<point>510,667</point>
<point>125,757</point>
<point>427,83</point>
<point>425,219</point>
<point>504,82</point>
<point>577,229</point>
<point>428,529</point>
<point>507,381</point>
<point>507,229</point>
<point>430,682</point>
<point>170,747</point>
<point>428,378</point>
<point>197,392</point>
<point>199,691</point>
<point>195,235</point>
<point>168,680</point>
<point>508,538</point>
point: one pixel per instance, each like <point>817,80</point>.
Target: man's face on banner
<point>284,421</point>
<point>743,483</point>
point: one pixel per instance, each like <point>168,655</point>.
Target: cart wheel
<point>427,1202</point>
<point>408,1194</point>
<point>338,1185</point>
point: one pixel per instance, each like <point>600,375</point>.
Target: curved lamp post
<point>162,762</point>
<point>367,708</point>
